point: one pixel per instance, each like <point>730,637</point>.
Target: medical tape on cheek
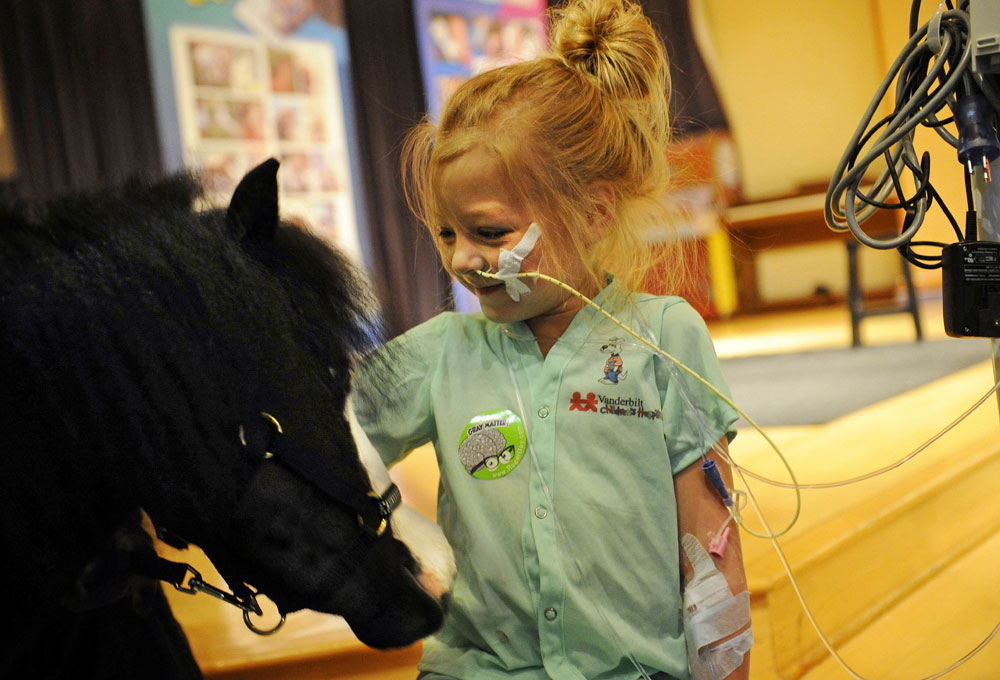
<point>712,613</point>
<point>509,263</point>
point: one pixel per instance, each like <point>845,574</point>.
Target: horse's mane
<point>82,215</point>
<point>142,217</point>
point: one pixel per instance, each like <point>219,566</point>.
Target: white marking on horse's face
<point>423,538</point>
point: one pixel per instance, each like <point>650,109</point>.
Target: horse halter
<point>373,510</point>
<point>263,440</point>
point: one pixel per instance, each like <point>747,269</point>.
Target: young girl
<point>569,452</point>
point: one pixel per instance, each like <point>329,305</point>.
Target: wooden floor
<point>901,569</point>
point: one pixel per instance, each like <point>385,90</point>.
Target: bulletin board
<point>239,81</point>
<point>242,99</point>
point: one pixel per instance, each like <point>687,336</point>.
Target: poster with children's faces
<point>460,38</point>
<point>242,99</point>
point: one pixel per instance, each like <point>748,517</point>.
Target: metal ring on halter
<point>274,421</point>
<point>260,631</point>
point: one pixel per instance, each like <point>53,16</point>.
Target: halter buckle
<point>384,505</point>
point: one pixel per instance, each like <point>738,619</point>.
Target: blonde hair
<point>591,115</point>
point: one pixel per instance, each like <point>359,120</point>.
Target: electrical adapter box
<point>970,285</point>
<point>984,29</point>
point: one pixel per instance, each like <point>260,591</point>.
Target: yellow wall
<point>795,77</point>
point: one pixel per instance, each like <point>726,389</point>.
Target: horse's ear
<point>253,211</point>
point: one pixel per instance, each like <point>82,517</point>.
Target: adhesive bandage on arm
<point>509,263</point>
<point>712,613</point>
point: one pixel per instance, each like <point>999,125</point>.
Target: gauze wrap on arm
<point>711,613</point>
<point>509,263</point>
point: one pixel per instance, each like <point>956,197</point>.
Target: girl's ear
<point>602,194</point>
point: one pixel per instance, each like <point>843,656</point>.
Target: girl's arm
<point>700,512</point>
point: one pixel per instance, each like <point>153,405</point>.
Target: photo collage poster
<point>244,98</point>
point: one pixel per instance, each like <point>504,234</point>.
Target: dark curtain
<point>80,94</point>
<point>694,102</point>
<point>389,98</point>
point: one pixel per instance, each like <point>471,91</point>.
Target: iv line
<point>812,620</point>
<point>892,466</point>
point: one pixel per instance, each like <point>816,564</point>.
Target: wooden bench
<point>797,220</point>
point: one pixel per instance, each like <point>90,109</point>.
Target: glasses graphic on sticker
<point>486,448</point>
<point>492,444</point>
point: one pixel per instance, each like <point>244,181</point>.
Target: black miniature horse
<point>153,357</point>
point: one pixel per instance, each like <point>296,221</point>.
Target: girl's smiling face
<point>482,214</point>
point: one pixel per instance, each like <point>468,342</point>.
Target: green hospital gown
<point>557,495</point>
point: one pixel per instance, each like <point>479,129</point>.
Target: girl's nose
<point>467,257</point>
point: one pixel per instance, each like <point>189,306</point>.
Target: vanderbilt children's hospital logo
<point>632,407</point>
<point>578,403</point>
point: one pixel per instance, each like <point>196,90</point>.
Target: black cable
<point>920,192</point>
<point>914,16</point>
<point>971,220</point>
<point>919,260</point>
<point>928,244</point>
<point>867,136</point>
<point>968,191</point>
<point>919,264</point>
<point>895,177</point>
<point>971,226</point>
<point>938,123</point>
<point>926,189</point>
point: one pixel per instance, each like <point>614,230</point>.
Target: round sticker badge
<point>492,444</point>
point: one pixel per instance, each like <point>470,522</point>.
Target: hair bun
<point>613,41</point>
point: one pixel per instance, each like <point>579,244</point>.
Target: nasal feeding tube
<point>734,513</point>
<point>509,263</point>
